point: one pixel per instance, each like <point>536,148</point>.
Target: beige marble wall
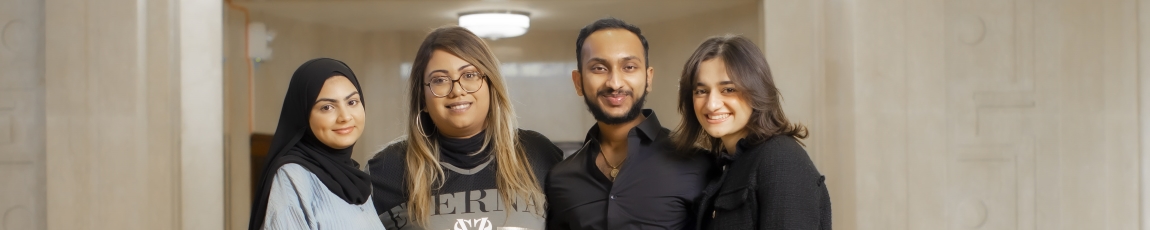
<point>1144,107</point>
<point>237,126</point>
<point>200,48</point>
<point>22,186</point>
<point>132,103</point>
<point>967,114</point>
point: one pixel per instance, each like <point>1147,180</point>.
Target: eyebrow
<point>445,71</point>
<point>720,83</point>
<point>333,100</point>
<point>596,59</point>
<point>437,71</point>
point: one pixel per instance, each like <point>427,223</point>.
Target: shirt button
<point>713,214</point>
<point>612,197</point>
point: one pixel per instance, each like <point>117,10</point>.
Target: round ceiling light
<point>496,24</point>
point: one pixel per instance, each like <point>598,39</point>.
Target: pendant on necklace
<point>614,173</point>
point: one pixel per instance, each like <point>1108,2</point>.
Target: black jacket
<point>769,185</point>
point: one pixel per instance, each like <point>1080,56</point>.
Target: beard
<point>602,116</point>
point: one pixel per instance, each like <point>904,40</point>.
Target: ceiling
<point>375,15</point>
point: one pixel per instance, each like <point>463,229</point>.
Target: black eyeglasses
<point>469,82</point>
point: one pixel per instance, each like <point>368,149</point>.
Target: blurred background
<point>924,114</point>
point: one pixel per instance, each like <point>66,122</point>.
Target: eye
<point>438,80</point>
<point>700,91</point>
<point>630,68</point>
<point>598,68</point>
<point>327,107</point>
<point>728,90</point>
<point>470,75</point>
<point>353,102</point>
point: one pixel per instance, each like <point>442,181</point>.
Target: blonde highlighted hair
<point>514,176</point>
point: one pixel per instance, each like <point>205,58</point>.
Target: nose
<point>344,115</point>
<point>713,102</point>
<point>614,81</point>
<point>457,93</point>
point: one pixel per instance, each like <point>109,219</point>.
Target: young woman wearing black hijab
<point>310,179</point>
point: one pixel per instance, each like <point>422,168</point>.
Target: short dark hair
<point>602,24</point>
<point>747,67</point>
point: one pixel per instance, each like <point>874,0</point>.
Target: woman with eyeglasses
<point>463,164</point>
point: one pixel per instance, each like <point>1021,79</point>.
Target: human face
<point>337,118</point>
<point>719,106</point>
<point>459,113</point>
<point>614,79</point>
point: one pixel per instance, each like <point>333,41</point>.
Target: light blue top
<point>298,200</point>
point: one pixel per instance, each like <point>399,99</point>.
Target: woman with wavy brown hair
<point>731,107</point>
<point>464,163</point>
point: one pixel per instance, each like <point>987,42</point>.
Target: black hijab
<point>294,142</point>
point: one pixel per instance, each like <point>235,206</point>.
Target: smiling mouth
<point>718,118</point>
<point>458,106</point>
<point>343,130</point>
<point>614,99</point>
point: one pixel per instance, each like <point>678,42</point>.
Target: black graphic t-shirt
<point>469,198</point>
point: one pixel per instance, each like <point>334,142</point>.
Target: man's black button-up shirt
<point>657,186</point>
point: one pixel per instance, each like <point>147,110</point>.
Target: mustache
<point>614,92</point>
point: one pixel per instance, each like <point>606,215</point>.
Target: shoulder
<point>291,195</point>
<point>387,172</point>
<point>695,158</point>
<point>663,137</point>
<point>539,147</point>
<point>293,171</point>
<point>391,153</point>
<point>396,146</point>
<point>531,138</point>
<point>527,134</point>
<point>389,161</point>
<point>664,132</point>
<point>295,177</point>
<point>782,157</point>
<point>572,163</point>
<point>782,149</point>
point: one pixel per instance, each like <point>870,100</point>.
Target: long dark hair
<point>748,70</point>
